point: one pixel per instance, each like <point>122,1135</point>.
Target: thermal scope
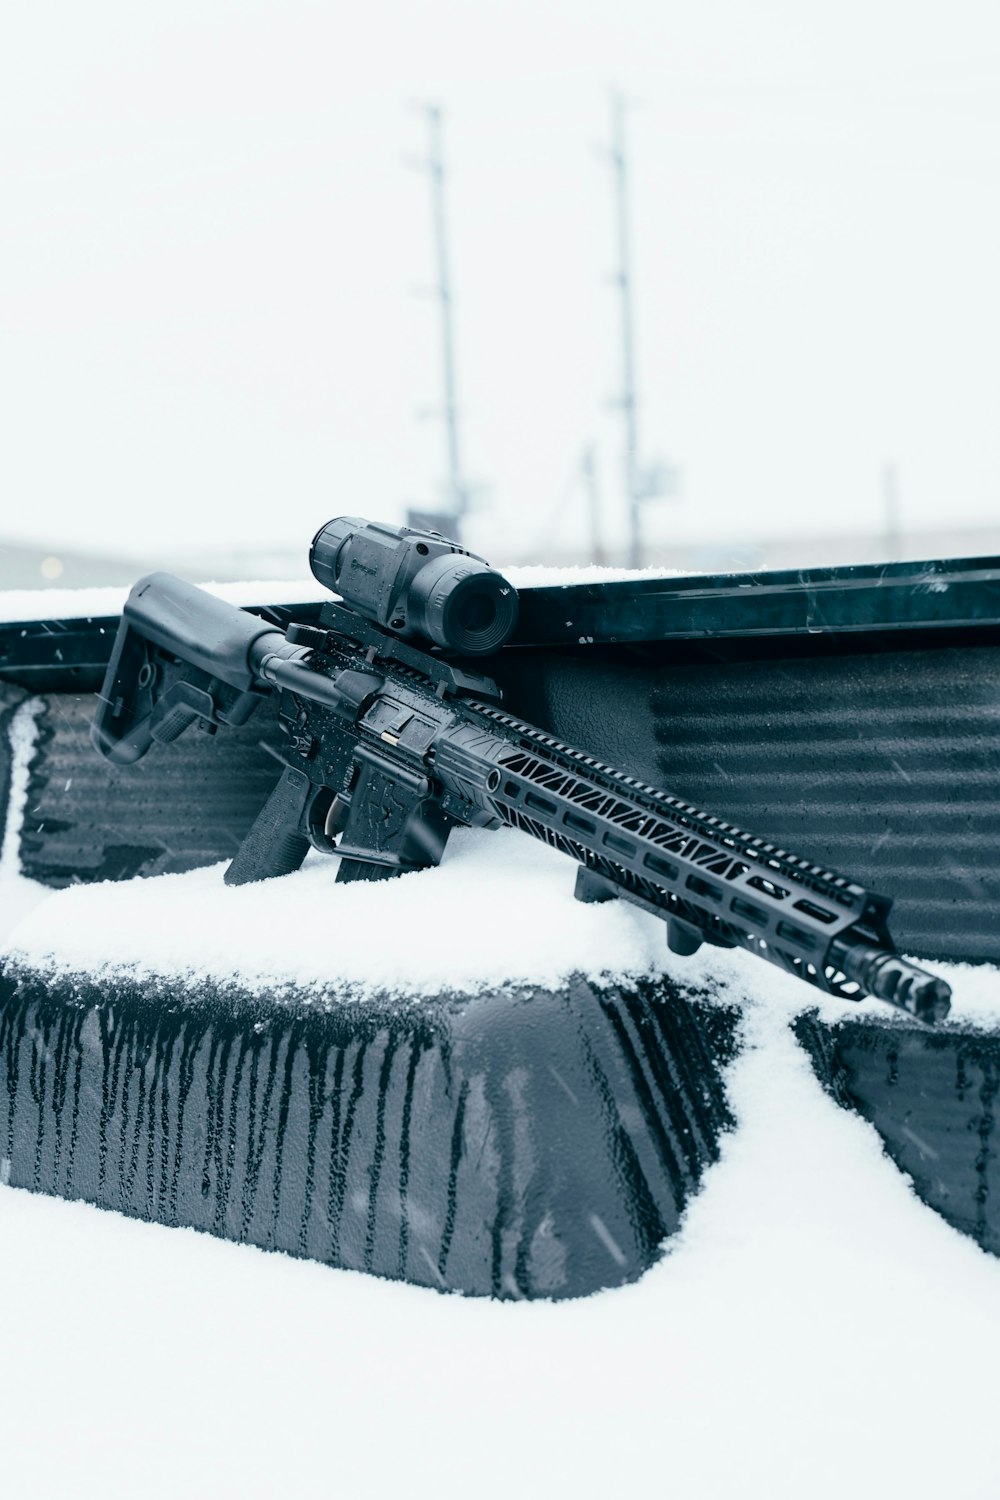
<point>416,583</point>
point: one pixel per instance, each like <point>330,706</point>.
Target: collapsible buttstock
<point>180,655</point>
<point>206,632</point>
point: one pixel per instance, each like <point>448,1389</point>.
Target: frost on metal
<point>18,743</point>
<point>22,739</point>
<point>519,1144</point>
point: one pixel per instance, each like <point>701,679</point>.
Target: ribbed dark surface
<point>184,805</point>
<point>519,1144</point>
<point>932,1096</point>
<point>885,767</point>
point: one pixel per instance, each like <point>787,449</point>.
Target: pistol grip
<point>275,843</point>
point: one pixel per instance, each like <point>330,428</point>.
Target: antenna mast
<point>648,482</point>
<point>623,279</point>
<point>451,518</point>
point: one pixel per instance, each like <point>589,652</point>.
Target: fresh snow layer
<point>814,1332</point>
<point>538,575</point>
<point>498,911</point>
<point>18,895</point>
<point>96,603</point>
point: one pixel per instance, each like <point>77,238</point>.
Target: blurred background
<point>703,286</point>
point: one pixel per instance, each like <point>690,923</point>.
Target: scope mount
<point>338,623</point>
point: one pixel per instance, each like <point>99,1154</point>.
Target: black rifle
<point>389,745</point>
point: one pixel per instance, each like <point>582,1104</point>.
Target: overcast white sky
<point>210,245</point>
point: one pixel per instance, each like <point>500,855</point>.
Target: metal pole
<point>623,279</point>
<point>890,511</point>
<point>458,494</point>
<point>588,468</point>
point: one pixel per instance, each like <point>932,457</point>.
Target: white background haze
<point>210,245</point>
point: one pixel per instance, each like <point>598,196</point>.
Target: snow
<point>539,576</point>
<point>18,895</point>
<point>490,886</point>
<point>511,919</point>
<point>22,605</point>
<point>815,1330</point>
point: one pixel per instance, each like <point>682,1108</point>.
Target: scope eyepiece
<point>416,584</point>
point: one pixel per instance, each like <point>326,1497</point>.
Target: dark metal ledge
<point>516,1144</point>
<point>867,598</point>
<point>940,597</point>
<point>932,1097</point>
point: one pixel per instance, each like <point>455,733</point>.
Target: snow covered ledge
<point>463,1079</point>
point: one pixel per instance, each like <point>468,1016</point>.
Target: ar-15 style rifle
<point>392,740</point>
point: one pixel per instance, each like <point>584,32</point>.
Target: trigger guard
<point>327,816</point>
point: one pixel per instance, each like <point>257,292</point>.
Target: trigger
<point>336,818</point>
<point>326,819</point>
